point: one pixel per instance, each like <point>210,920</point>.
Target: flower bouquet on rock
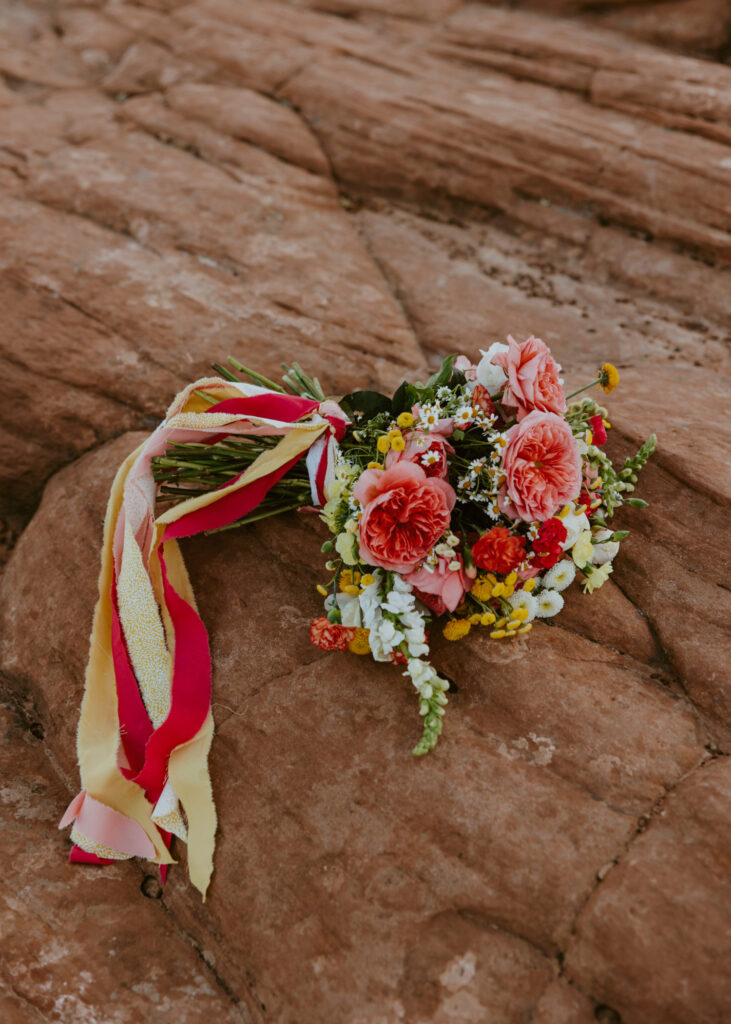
<point>472,500</point>
<point>475,498</point>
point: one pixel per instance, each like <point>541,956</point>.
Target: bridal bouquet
<point>473,500</point>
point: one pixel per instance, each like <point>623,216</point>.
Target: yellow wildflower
<point>487,619</point>
<point>374,465</point>
<point>347,547</point>
<point>359,644</point>
<point>582,550</point>
<point>367,579</point>
<point>321,590</point>
<point>383,444</point>
<point>455,629</point>
<point>529,585</point>
<point>475,619</point>
<point>497,634</point>
<point>405,419</point>
<point>608,378</point>
<point>348,578</point>
<point>499,590</point>
<point>597,578</point>
<point>397,443</point>
<point>481,589</point>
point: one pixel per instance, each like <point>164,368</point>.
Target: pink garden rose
<point>443,588</point>
<point>405,512</point>
<point>427,450</point>
<point>532,378</point>
<point>542,466</point>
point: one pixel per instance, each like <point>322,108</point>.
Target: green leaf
<point>405,396</point>
<point>364,405</point>
<point>443,374</point>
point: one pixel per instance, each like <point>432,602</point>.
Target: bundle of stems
<point>190,469</point>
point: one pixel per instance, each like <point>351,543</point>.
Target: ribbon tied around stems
<point>146,725</point>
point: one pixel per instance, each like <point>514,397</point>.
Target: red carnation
<point>498,550</point>
<point>548,545</point>
<point>585,499</point>
<point>481,400</point>
<point>330,636</point>
<point>598,430</point>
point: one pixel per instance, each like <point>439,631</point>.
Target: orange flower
<point>498,550</point>
<point>330,636</point>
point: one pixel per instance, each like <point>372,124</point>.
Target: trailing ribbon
<point>146,724</point>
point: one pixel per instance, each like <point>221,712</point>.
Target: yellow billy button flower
<point>405,420</point>
<point>383,444</point>
<point>359,644</point>
<point>529,585</point>
<point>367,579</point>
<point>519,614</point>
<point>526,628</point>
<point>397,442</point>
<point>475,619</point>
<point>455,629</point>
<point>321,590</point>
<point>352,590</point>
<point>349,578</point>
<point>481,589</point>
<point>608,378</point>
<point>582,550</point>
<point>487,619</point>
<point>499,590</point>
<point>498,634</point>
<point>514,624</point>
<point>374,465</point>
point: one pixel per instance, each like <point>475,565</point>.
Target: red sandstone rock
<point>365,187</point>
<point>79,946</point>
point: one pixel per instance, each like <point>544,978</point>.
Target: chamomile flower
<point>463,416</point>
<point>549,603</point>
<point>429,415</point>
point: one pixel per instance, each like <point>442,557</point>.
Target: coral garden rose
<point>330,636</point>
<point>532,374</point>
<point>542,466</point>
<point>405,512</point>
<point>441,588</point>
<point>427,450</point>
<point>498,550</point>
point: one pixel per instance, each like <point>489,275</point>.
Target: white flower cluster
<point>401,623</point>
<point>393,619</point>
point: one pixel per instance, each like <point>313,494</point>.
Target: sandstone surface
<point>365,186</point>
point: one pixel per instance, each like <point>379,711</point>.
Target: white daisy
<point>549,603</point>
<point>524,599</point>
<point>560,576</point>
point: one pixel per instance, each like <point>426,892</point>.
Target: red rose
<point>498,550</point>
<point>548,545</point>
<point>598,430</point>
<point>330,636</point>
